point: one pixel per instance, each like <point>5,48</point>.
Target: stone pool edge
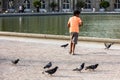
<point>59,37</point>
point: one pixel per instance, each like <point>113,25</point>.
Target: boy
<point>74,23</point>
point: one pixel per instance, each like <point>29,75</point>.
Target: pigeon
<point>48,65</point>
<point>65,45</point>
<point>16,61</point>
<point>51,71</point>
<point>108,45</point>
<point>92,67</point>
<point>80,68</point>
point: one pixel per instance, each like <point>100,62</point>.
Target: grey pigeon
<point>64,45</point>
<point>92,67</point>
<point>15,61</point>
<point>48,65</point>
<point>51,71</point>
<point>80,68</point>
<point>108,45</point>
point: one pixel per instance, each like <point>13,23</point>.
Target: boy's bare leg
<point>73,48</point>
<point>71,44</point>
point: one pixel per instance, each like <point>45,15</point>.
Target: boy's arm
<point>81,24</point>
<point>68,25</point>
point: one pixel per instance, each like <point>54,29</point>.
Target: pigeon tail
<point>75,69</point>
<point>48,65</point>
<point>65,45</point>
<point>15,61</point>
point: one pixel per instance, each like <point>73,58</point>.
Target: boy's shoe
<point>73,53</point>
<point>70,52</point>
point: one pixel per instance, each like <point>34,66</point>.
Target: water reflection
<point>102,26</point>
<point>20,24</point>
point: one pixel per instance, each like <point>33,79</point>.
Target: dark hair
<point>76,12</point>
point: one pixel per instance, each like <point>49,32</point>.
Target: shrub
<point>104,4</point>
<point>53,5</point>
<point>36,3</point>
<point>80,4</point>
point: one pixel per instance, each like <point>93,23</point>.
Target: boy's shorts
<point>74,37</point>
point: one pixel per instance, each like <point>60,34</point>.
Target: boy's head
<point>76,13</point>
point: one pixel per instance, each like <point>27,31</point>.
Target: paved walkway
<point>35,53</point>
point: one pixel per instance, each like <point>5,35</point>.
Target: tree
<point>104,4</point>
<point>53,5</point>
<point>37,5</point>
<point>80,4</point>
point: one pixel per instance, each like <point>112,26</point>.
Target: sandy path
<point>35,53</point>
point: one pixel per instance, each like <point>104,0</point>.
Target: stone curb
<point>60,37</point>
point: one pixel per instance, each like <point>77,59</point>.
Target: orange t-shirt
<point>74,23</point>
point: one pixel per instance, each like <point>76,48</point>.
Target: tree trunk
<point>37,9</point>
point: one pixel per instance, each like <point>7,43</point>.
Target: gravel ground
<point>35,53</point>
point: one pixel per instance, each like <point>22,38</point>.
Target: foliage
<point>104,4</point>
<point>80,4</point>
<point>53,5</point>
<point>36,3</point>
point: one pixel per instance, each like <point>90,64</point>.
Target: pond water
<point>95,25</point>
